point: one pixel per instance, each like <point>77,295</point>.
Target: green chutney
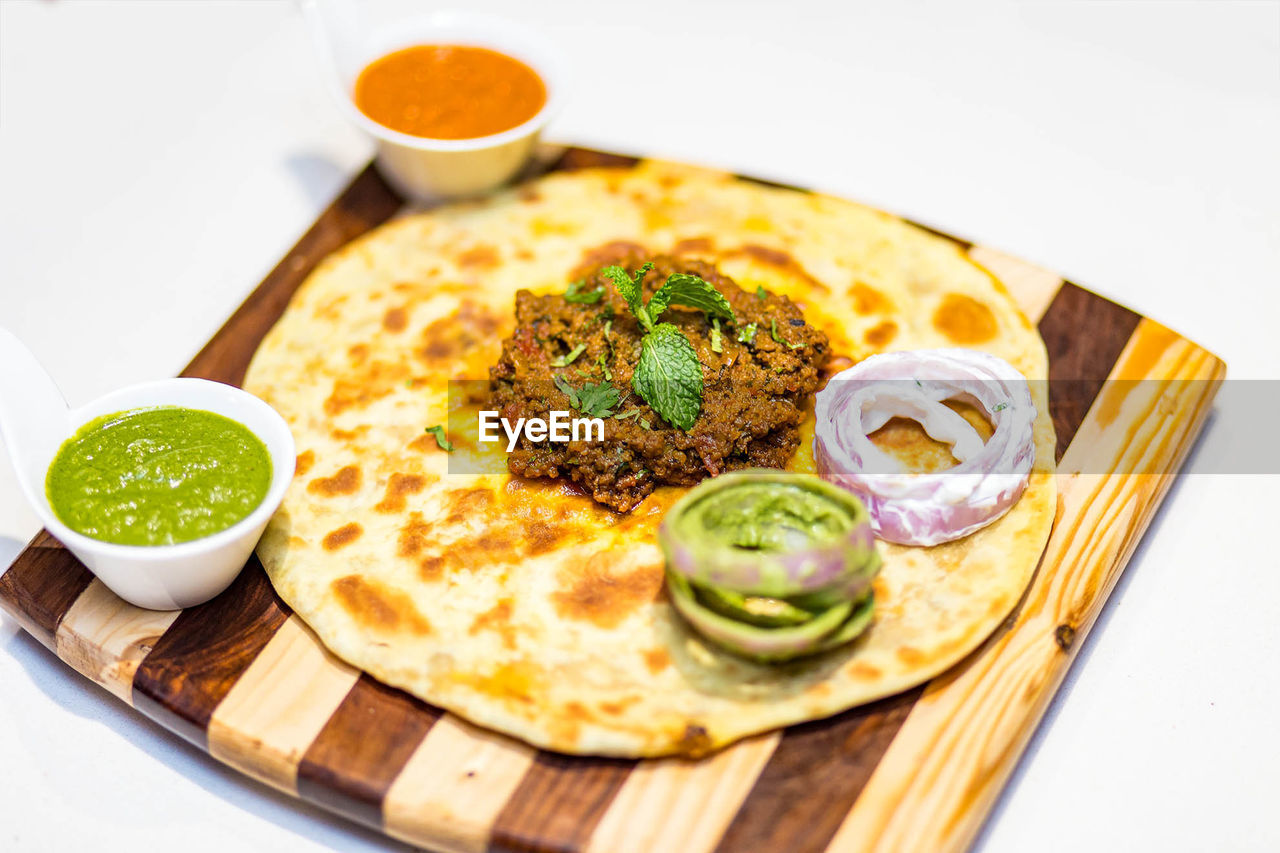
<point>158,476</point>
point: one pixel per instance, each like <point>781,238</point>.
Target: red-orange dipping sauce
<point>442,91</point>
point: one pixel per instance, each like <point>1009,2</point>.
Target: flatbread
<point>522,605</point>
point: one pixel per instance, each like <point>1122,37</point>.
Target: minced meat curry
<point>757,373</point>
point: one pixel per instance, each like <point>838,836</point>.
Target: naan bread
<point>524,606</point>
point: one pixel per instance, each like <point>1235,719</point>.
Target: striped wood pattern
<point>275,710</point>
<point>104,643</point>
<point>367,744</point>
<point>245,679</point>
<point>963,737</point>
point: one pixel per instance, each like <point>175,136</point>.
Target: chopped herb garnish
<point>747,333</point>
<point>575,294</point>
<point>1000,407</point>
<point>630,413</point>
<point>566,360</point>
<point>761,293</point>
<point>568,390</point>
<point>773,333</point>
<point>644,423</point>
<point>603,364</point>
<point>715,335</point>
<point>595,400</point>
<point>668,375</point>
<point>608,326</point>
<point>442,440</point>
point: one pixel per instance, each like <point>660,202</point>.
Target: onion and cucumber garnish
<point>771,565</point>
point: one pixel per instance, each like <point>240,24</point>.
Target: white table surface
<point>157,158</point>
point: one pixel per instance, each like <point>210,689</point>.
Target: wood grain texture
<point>558,803</point>
<point>585,158</point>
<point>934,787</point>
<point>194,664</point>
<point>241,677</point>
<point>1084,335</point>
<point>41,585</point>
<point>363,748</point>
<point>104,639</point>
<point>681,804</point>
<point>454,786</point>
<point>785,809</point>
<point>276,709</point>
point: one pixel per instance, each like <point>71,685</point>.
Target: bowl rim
<point>282,472</point>
<point>489,31</point>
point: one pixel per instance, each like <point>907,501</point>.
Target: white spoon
<point>35,420</point>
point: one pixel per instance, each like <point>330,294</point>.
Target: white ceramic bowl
<point>347,38</point>
<point>35,422</point>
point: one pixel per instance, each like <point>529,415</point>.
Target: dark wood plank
<point>366,203</point>
<point>807,788</point>
<point>777,185</point>
<point>41,585</point>
<point>1084,335</point>
<point>558,803</point>
<point>961,243</point>
<point>194,664</point>
<point>362,748</point>
<point>585,158</point>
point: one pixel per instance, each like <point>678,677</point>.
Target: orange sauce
<point>442,91</point>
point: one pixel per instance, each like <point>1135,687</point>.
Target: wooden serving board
<point>244,678</point>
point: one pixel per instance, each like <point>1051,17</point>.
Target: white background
<point>157,158</point>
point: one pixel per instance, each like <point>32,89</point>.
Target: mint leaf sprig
<point>668,375</point>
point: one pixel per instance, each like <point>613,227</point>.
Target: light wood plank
<point>450,792</point>
<point>1032,287</point>
<point>934,786</point>
<point>678,804</point>
<point>104,637</point>
<point>277,708</point>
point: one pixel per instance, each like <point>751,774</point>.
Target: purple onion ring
<point>928,509</point>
